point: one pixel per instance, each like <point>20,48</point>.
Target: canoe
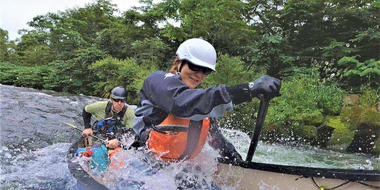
<point>251,175</point>
<point>80,171</point>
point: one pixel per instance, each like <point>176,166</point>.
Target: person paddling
<point>113,117</point>
<point>174,118</point>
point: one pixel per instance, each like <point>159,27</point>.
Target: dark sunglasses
<point>117,100</point>
<point>193,67</point>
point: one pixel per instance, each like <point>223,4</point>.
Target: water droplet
<point>7,155</point>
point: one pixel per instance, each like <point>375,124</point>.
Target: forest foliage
<point>321,49</point>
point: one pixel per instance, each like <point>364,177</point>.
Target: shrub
<point>369,97</point>
<point>8,73</point>
<point>112,72</point>
<point>304,101</point>
<point>32,77</point>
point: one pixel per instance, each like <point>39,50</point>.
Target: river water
<point>34,144</point>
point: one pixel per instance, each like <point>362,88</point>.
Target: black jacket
<point>164,93</point>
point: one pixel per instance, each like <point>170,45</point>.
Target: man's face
<point>118,105</point>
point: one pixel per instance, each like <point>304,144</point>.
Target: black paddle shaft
<point>259,126</point>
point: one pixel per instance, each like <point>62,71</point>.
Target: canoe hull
<point>84,180</point>
<point>254,176</point>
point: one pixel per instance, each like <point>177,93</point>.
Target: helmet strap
<point>180,68</point>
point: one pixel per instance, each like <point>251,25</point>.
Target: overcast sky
<point>14,14</point>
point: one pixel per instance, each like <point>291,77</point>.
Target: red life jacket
<point>177,139</point>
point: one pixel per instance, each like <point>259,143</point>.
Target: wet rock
<point>366,124</point>
<point>342,134</point>
<point>37,115</point>
<point>316,121</point>
<point>324,134</point>
<point>367,134</point>
<point>351,100</point>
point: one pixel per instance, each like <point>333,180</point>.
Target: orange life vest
<point>176,138</point>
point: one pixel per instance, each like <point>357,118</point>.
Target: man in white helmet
<point>174,117</point>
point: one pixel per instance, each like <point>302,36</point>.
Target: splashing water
<point>42,169</point>
<point>139,169</point>
<point>307,156</point>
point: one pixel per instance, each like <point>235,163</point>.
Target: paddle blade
<point>71,125</point>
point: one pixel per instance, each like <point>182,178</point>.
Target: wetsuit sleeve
<point>172,96</point>
<point>86,119</point>
<point>239,93</point>
<point>217,141</point>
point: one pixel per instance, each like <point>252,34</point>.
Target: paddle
<point>91,135</point>
<point>259,126</point>
<point>125,147</point>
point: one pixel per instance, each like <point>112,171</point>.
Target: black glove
<point>135,144</point>
<point>266,86</point>
<point>141,140</point>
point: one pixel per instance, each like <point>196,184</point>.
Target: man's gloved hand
<point>266,86</point>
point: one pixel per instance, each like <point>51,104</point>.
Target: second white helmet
<point>199,52</point>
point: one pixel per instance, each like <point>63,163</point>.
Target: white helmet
<point>199,52</point>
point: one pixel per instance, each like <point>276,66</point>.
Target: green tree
<point>73,75</point>
<point>33,49</point>
<point>151,52</point>
<point>3,44</point>
<point>221,22</point>
<point>75,28</point>
<point>62,33</point>
<point>112,72</point>
<point>116,40</point>
<point>355,73</point>
<point>322,32</point>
